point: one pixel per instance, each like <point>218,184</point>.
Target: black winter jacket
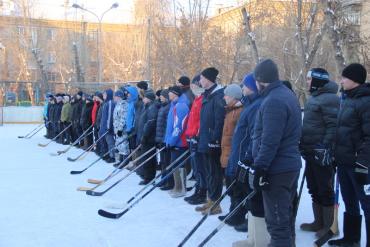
<point>147,124</point>
<point>99,116</point>
<point>85,120</point>
<point>212,116</point>
<point>353,128</point>
<point>320,118</point>
<point>162,122</point>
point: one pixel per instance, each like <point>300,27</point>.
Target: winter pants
<point>320,182</point>
<point>214,175</point>
<point>103,143</point>
<point>352,193</point>
<point>198,170</point>
<point>175,153</point>
<point>278,206</point>
<point>147,171</point>
<point>237,195</point>
<point>109,139</point>
<point>165,160</point>
<point>66,136</point>
<point>98,145</point>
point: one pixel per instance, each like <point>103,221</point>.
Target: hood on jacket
<point>360,91</point>
<point>134,94</point>
<point>330,87</point>
<point>109,93</point>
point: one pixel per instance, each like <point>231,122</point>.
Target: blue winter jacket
<point>242,137</point>
<point>106,123</point>
<point>212,116</point>
<point>176,123</point>
<point>45,112</point>
<point>130,119</point>
<point>277,131</point>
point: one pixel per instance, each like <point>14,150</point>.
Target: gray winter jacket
<point>320,118</point>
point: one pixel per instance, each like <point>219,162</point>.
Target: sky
<point>56,9</point>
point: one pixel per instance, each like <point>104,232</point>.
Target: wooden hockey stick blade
<point>94,181</point>
<point>82,188</point>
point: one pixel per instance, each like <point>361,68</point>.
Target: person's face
<point>78,96</point>
<point>66,99</point>
<point>247,91</point>
<point>178,84</point>
<point>348,84</point>
<point>308,81</point>
<point>104,95</point>
<point>229,100</point>
<point>116,98</point>
<point>146,100</point>
<point>162,99</point>
<point>172,96</point>
<point>261,85</point>
<point>204,82</point>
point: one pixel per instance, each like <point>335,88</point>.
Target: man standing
<point>318,133</point>
<point>119,125</point>
<point>184,83</point>
<point>352,154</point>
<point>212,118</point>
<point>276,157</point>
<point>65,119</point>
<point>106,124</point>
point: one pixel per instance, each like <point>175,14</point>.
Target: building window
<point>20,30</point>
<point>34,36</point>
<point>52,57</point>
<point>52,76</point>
<point>51,34</point>
<point>353,18</point>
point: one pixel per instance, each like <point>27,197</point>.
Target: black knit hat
<point>142,85</point>
<point>196,80</point>
<point>210,73</point>
<point>175,90</point>
<point>355,72</point>
<point>99,95</point>
<point>184,80</point>
<point>158,92</point>
<point>164,93</point>
<point>149,94</point>
<point>266,71</point>
<point>319,78</point>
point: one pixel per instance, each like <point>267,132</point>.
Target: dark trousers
<point>353,193</point>
<point>198,170</point>
<point>109,139</point>
<point>66,136</point>
<point>214,175</point>
<point>320,182</point>
<point>98,145</point>
<point>103,143</point>
<point>278,206</point>
<point>164,161</point>
<point>237,194</point>
<point>147,171</point>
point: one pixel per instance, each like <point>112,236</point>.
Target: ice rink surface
<point>40,206</point>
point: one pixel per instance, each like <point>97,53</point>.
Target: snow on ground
<point>41,207</point>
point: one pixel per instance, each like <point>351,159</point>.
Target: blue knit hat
<point>250,82</point>
<point>119,93</point>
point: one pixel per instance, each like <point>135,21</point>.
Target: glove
<point>242,172</point>
<point>258,179</point>
<point>323,156</point>
<point>214,148</point>
<point>119,133</point>
<point>361,174</point>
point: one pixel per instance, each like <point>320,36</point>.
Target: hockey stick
<point>110,215</point>
<point>113,173</point>
<point>85,133</point>
<point>193,230</point>
<point>153,183</point>
<point>100,158</point>
<point>295,212</point>
<point>86,152</point>
<point>100,193</point>
<point>64,130</point>
<point>222,224</point>
<point>334,230</point>
<point>29,133</point>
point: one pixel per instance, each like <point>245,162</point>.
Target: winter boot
<point>205,206</point>
<point>180,183</point>
<point>317,224</point>
<point>261,235</point>
<point>351,232</point>
<point>196,191</point>
<point>201,198</point>
<point>213,211</point>
<point>249,242</point>
<point>243,227</point>
<point>327,220</point>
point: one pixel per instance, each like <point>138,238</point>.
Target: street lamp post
<point>99,38</point>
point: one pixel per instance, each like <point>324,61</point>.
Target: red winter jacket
<point>194,118</point>
<point>95,111</point>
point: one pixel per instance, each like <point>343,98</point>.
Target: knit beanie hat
<point>175,90</point>
<point>99,95</point>
<point>164,93</point>
<point>158,92</point>
<point>319,78</point>
<point>142,85</point>
<point>266,71</point>
<point>184,80</point>
<point>210,73</point>
<point>119,93</point>
<point>234,91</point>
<point>149,94</point>
<point>355,72</point>
<point>196,80</point>
<point>250,82</point>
